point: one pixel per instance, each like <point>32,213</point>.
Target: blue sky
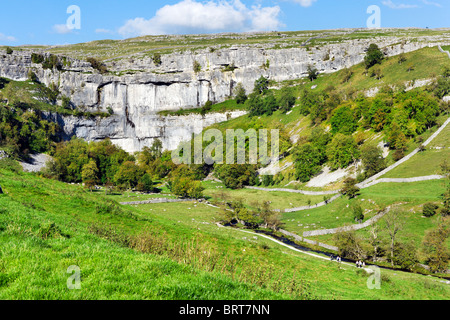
<point>45,21</point>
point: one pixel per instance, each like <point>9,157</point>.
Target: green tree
<point>261,85</point>
<point>350,189</point>
<point>313,73</point>
<point>240,94</point>
<point>342,151</point>
<point>128,175</point>
<point>308,162</point>
<point>286,100</point>
<point>145,183</point>
<point>373,56</point>
<point>358,214</point>
<point>343,121</point>
<point>89,174</point>
<point>186,187</point>
<point>437,254</point>
<point>236,176</point>
<point>372,159</point>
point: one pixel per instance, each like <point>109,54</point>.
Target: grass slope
<point>189,257</point>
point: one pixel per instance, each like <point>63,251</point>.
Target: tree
<point>405,255</point>
<point>286,100</point>
<point>372,159</point>
<point>270,218</point>
<point>394,222</point>
<point>241,95</point>
<point>128,175</point>
<point>145,183</point>
<point>89,174</point>
<point>186,187</point>
<point>350,189</point>
<point>429,209</point>
<point>373,56</point>
<point>261,85</point>
<point>236,176</point>
<point>342,151</point>
<point>9,50</point>
<point>401,58</point>
<point>313,73</point>
<point>350,245</point>
<point>308,162</point>
<point>358,214</point>
<point>437,254</point>
<point>343,121</point>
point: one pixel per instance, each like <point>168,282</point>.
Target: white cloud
<point>191,16</point>
<point>305,3</point>
<point>393,5</point>
<point>432,3</point>
<point>4,37</point>
<point>62,29</point>
<point>104,31</point>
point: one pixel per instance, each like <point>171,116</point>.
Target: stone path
<point>403,160</point>
<point>156,200</point>
<point>443,51</point>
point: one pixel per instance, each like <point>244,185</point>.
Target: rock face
<point>140,89</point>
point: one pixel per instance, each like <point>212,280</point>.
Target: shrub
<point>429,209</point>
<point>99,66</point>
<point>197,66</point>
<point>312,72</point>
<point>374,56</point>
<point>9,50</point>
<point>261,85</point>
<point>37,58</point>
<point>157,59</point>
<point>32,76</point>
<point>240,94</point>
<point>52,62</point>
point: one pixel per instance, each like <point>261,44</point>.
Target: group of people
<point>360,264</point>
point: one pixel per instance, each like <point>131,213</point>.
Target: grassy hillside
<point>165,251</point>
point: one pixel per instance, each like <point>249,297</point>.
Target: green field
<point>180,253</point>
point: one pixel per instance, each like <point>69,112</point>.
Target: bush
<point>99,66</point>
<point>52,62</point>
<point>240,94</point>
<point>9,50</point>
<point>374,56</point>
<point>313,73</point>
<point>157,59</point>
<point>32,76</point>
<point>37,58</point>
<point>261,85</point>
<point>429,209</point>
<point>197,66</point>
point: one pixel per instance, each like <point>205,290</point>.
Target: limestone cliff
<point>137,90</point>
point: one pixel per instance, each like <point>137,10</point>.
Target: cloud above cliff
<point>4,37</point>
<point>305,3</point>
<point>190,16</point>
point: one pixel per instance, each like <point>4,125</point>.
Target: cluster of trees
<point>263,102</point>
<point>383,244</point>
<point>103,163</point>
<point>234,211</point>
<point>24,131</point>
<point>401,115</point>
